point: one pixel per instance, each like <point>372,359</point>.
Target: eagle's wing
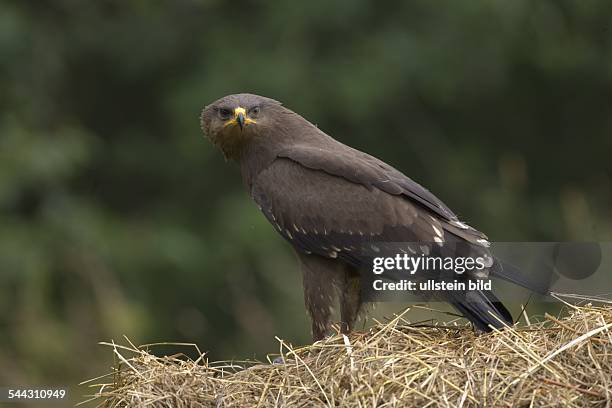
<point>324,212</point>
<point>361,168</point>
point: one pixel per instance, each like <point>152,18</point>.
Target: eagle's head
<point>232,121</point>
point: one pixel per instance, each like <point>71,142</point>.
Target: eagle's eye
<point>254,111</point>
<point>225,113</point>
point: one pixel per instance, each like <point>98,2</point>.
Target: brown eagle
<point>328,199</point>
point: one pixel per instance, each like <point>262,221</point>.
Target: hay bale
<point>566,361</point>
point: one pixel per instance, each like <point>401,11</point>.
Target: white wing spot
<point>460,224</point>
<point>484,243</point>
<point>437,231</point>
<point>439,240</point>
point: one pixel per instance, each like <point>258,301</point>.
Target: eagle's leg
<point>321,275</point>
<point>350,300</point>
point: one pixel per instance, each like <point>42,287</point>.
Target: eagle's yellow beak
<point>240,118</point>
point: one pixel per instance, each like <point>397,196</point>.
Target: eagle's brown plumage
<point>328,199</point>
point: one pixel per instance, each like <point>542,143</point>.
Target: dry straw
<point>558,362</point>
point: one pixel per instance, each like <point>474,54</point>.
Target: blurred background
<point>118,218</point>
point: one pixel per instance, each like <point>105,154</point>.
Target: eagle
<point>328,200</point>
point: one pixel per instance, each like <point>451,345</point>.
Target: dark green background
<point>118,217</point>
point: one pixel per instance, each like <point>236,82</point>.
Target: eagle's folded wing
<point>331,215</point>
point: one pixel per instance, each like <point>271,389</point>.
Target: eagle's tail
<point>483,309</point>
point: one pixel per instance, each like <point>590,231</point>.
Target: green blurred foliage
<point>118,218</point>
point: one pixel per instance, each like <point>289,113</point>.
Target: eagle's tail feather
<point>484,310</point>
